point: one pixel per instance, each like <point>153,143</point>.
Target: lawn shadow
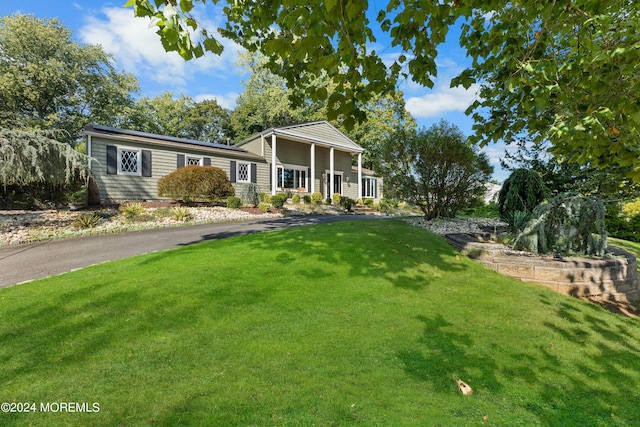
<point>409,257</point>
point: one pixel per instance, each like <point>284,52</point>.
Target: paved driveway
<point>32,261</point>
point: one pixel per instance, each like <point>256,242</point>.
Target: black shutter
<point>309,177</point>
<point>206,161</point>
<point>232,171</point>
<point>112,159</point>
<point>180,163</point>
<point>270,176</point>
<point>146,162</point>
<point>254,173</point>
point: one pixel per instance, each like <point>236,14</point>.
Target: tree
<point>33,157</point>
<point>265,101</point>
<point>561,175</point>
<point>521,192</point>
<point>436,170</point>
<point>47,81</point>
<point>558,70</point>
<point>566,72</point>
<point>181,117</point>
<point>386,115</point>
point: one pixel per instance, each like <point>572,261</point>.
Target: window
<point>290,177</point>
<point>190,160</point>
<point>369,188</point>
<point>129,161</point>
<point>244,174</point>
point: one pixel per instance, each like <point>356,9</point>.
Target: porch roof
<point>320,132</point>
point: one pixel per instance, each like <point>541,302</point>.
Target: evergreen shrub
<point>317,198</point>
<point>250,194</point>
<point>307,199</point>
<point>279,200</point>
<point>522,191</point>
<point>264,207</point>
<point>234,202</point>
<point>295,199</point>
<point>195,183</point>
<point>568,224</point>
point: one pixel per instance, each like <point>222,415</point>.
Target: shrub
<point>387,206</point>
<point>368,202</point>
<point>307,199</point>
<point>347,203</point>
<point>264,207</point>
<point>135,212</point>
<point>87,220</point>
<point>250,194</point>
<point>279,200</point>
<point>181,213</point>
<point>359,202</point>
<point>132,210</point>
<point>631,209</point>
<point>234,202</point>
<point>295,199</point>
<point>621,226</point>
<point>335,198</point>
<point>568,224</point>
<point>196,183</point>
<point>517,220</point>
<point>317,198</point>
<point>327,201</point>
<point>522,191</point>
<point>264,197</point>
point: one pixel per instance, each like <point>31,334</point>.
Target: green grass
<point>632,247</point>
<point>351,323</point>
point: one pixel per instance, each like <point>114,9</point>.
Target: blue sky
<point>137,50</point>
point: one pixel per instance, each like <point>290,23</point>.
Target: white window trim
<point>139,161</point>
<point>326,184</point>
<point>187,157</point>
<point>304,169</point>
<point>248,180</point>
<point>367,188</point>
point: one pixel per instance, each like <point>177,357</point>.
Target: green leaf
<point>186,5</point>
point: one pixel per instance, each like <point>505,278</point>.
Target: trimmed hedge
<point>195,183</point>
<point>279,200</point>
<point>234,202</point>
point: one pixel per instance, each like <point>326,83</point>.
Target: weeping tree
<point>35,158</point>
<point>519,195</point>
<point>569,224</point>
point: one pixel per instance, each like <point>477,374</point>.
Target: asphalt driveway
<point>22,263</point>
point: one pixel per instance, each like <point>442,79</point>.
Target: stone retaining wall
<point>614,278</point>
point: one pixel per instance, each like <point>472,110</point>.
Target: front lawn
<point>349,323</point>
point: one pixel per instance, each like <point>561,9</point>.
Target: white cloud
<point>441,101</point>
<point>227,100</point>
<point>137,49</point>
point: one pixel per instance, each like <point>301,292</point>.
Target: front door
<point>337,185</point>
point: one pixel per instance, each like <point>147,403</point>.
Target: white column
<point>312,180</point>
<point>274,167</point>
<point>330,180</point>
<point>359,175</point>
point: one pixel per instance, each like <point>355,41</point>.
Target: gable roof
<point>319,132</point>
<point>163,140</point>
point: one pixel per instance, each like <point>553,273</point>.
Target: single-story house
<point>303,158</point>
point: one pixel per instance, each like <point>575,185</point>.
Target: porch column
<point>274,167</point>
<point>330,180</point>
<point>312,180</point>
<point>359,175</point>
